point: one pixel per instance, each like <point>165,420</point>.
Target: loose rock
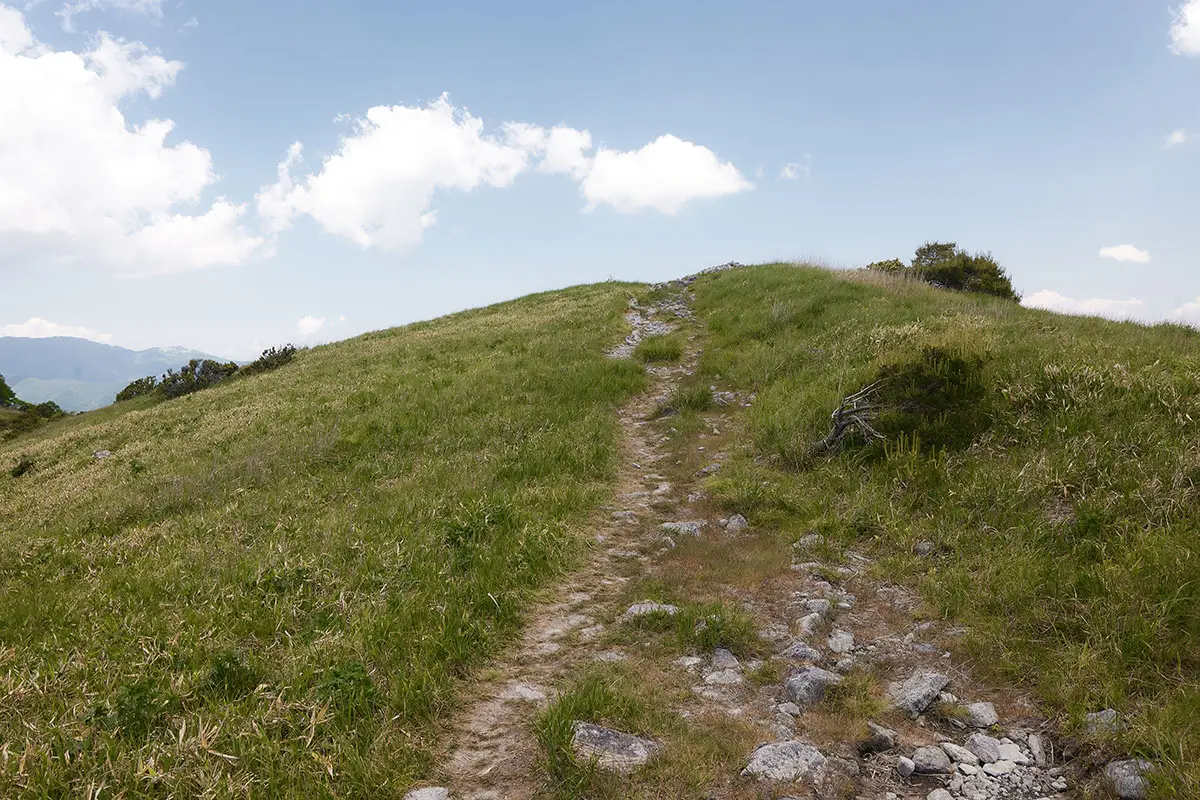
<point>611,750</point>
<point>905,767</point>
<point>625,516</point>
<point>960,755</point>
<point>984,747</point>
<point>1127,777</point>
<point>809,624</point>
<point>100,455</point>
<point>799,651</point>
<point>914,695</point>
<point>736,524</point>
<point>723,659</point>
<point>724,677</point>
<point>939,794</point>
<point>429,793</point>
<point>981,715</point>
<point>647,607</point>
<point>785,762</point>
<point>841,642</point>
<point>879,739</point>
<point>1100,721</point>
<point>684,528</point>
<point>998,768</point>
<point>807,685</point>
<point>931,761</point>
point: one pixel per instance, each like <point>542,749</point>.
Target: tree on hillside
<point>8,398</point>
<point>946,265</point>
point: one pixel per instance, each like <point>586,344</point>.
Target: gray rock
<point>841,642</point>
<point>806,686</point>
<point>625,516</point>
<point>924,548</point>
<point>799,651</point>
<point>785,762</point>
<point>878,740</point>
<point>981,715</point>
<point>1100,721</point>
<point>818,606</point>
<point>810,623</point>
<point>915,694</point>
<point>939,794</point>
<point>690,527</point>
<point>612,751</point>
<point>647,607</point>
<point>724,677</point>
<point>844,665</point>
<point>984,747</point>
<point>523,693</point>
<point>1037,749</point>
<point>736,524</point>
<point>1010,751</point>
<point>100,455</point>
<point>998,768</point>
<point>723,659</point>
<point>960,755</point>
<point>428,793</point>
<point>1127,777</point>
<point>931,761</point>
<point>791,709</point>
<point>905,767</point>
<point>688,662</point>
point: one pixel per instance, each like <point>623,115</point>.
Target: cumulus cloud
<point>1093,306</point>
<point>1188,313</point>
<point>1185,32</point>
<point>80,184</point>
<point>35,328</point>
<point>792,171</point>
<point>310,325</point>
<point>377,188</point>
<point>1125,252</point>
<point>150,8</point>
<point>1175,138</point>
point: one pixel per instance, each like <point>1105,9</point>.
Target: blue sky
<point>444,161</point>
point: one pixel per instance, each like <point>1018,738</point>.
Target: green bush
<point>945,265</point>
<point>138,388</point>
<point>891,265</point>
<point>8,398</point>
<point>47,410</point>
<point>198,374</point>
<point>934,400</point>
<point>271,358</point>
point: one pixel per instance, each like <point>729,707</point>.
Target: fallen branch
<point>854,413</point>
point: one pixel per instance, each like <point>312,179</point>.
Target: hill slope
<point>79,374</point>
<point>290,569</point>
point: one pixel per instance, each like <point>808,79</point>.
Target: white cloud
<point>151,8</point>
<point>310,325</point>
<point>1125,252</point>
<point>378,187</point>
<point>1175,138</point>
<point>792,171</point>
<point>79,184</point>
<point>34,328</point>
<point>664,175</point>
<point>1185,32</point>
<point>1188,313</point>
<point>1094,306</point>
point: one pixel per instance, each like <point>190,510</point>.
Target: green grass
<point>1066,521</point>
<point>691,397</point>
<point>660,349</point>
<point>273,587</point>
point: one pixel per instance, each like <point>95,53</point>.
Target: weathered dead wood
<point>854,413</point>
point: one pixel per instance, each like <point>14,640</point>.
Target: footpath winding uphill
<point>847,692</point>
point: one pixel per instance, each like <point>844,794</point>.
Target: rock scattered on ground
<point>980,715</point>
<point>806,686</point>
<point>612,751</point>
<point>878,740</point>
<point>736,524</point>
<point>785,762</point>
<point>648,607</point>
<point>429,793</point>
<point>1100,721</point>
<point>915,694</point>
<point>840,642</point>
<point>931,760</point>
<point>1127,777</point>
<point>684,528</point>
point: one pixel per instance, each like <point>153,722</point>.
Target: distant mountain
<point>79,374</point>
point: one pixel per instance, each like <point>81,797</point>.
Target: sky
<point>227,175</point>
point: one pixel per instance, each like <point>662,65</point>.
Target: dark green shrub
<point>138,388</point>
<point>944,265</point>
<point>936,400</point>
<point>271,358</point>
<point>348,689</point>
<point>198,374</point>
<point>137,708</point>
<point>47,410</point>
<point>24,465</point>
<point>8,398</point>
<point>891,265</point>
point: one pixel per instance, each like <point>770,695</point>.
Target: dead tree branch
<point>854,413</point>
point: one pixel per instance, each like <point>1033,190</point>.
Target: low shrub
<point>934,400</point>
<point>138,388</point>
<point>24,465</point>
<point>271,358</point>
<point>891,265</point>
<point>945,265</point>
<point>198,374</point>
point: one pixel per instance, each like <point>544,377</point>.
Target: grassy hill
<point>270,587</point>
<point>1061,493</point>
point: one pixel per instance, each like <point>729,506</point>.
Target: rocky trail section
<point>832,629</point>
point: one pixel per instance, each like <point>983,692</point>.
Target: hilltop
<point>429,547</point>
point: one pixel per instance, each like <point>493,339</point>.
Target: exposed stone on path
<point>806,686</point>
<point>785,762</point>
<point>980,715</point>
<point>915,694</point>
<point>931,761</point>
<point>625,516</point>
<point>878,740</point>
<point>809,624</point>
<point>611,750</point>
<point>523,693</point>
<point>840,642</point>
<point>684,528</point>
<point>960,755</point>
<point>723,659</point>
<point>429,793</point>
<point>905,766</point>
<point>984,747</point>
<point>736,524</point>
<point>939,794</point>
<point>799,651</point>
<point>724,677</point>
<point>647,607</point>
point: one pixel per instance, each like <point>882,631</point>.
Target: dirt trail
<point>494,755</point>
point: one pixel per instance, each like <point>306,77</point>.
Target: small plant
<point>696,397</point>
<point>659,349</point>
<point>229,677</point>
<point>24,465</point>
<point>137,708</point>
<point>138,388</point>
<point>271,358</point>
<point>857,696</point>
<point>348,689</point>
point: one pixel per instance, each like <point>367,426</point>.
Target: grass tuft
<point>660,349</point>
